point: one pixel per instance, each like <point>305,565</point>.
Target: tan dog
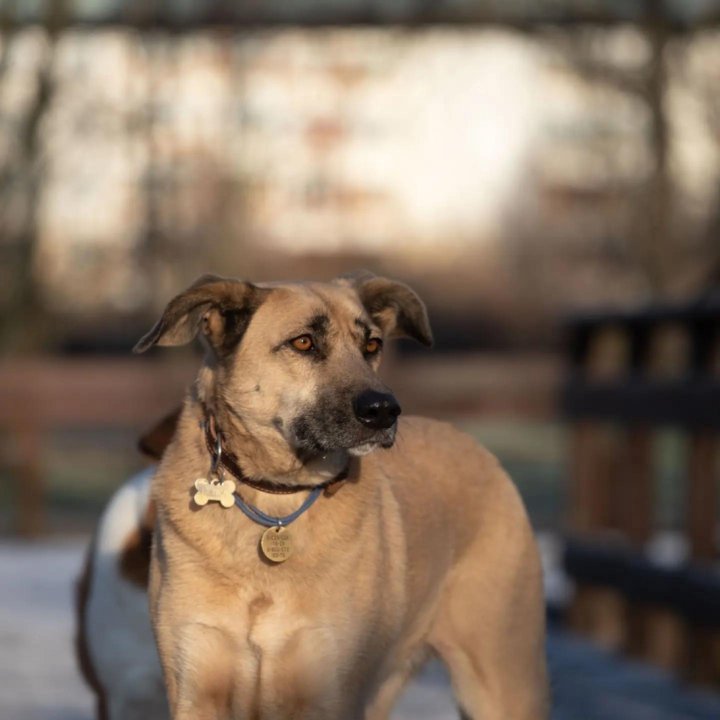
<point>426,548</point>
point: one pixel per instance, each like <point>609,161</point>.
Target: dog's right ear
<point>220,307</point>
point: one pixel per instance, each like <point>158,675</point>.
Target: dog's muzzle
<point>358,422</point>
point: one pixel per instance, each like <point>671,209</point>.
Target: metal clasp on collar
<point>216,469</point>
<point>217,455</point>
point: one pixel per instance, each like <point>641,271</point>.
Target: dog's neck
<point>262,456</point>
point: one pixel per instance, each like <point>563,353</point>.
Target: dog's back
<point>116,649</point>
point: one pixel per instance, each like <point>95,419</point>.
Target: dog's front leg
<point>198,663</point>
<point>197,658</point>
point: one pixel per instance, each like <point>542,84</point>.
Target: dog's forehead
<point>298,302</point>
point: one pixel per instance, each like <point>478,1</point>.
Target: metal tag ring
<point>217,455</point>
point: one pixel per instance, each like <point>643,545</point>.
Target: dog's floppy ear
<point>221,307</point>
<point>394,306</point>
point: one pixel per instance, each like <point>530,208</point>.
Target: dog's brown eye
<point>372,346</point>
<point>303,343</point>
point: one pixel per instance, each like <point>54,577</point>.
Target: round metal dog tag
<point>276,544</point>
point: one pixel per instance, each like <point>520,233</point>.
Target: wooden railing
<point>630,375</point>
<point>38,396</point>
<point>41,395</point>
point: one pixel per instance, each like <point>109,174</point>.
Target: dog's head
<point>297,363</point>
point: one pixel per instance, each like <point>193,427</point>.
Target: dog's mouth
<point>364,448</point>
<point>309,438</point>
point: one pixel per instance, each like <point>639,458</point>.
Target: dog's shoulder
<point>442,477</point>
<point>451,460</point>
<point>440,439</point>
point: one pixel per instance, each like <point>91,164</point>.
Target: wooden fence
<point>41,395</point>
<point>632,374</point>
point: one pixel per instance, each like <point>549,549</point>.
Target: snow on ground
<point>38,673</point>
<point>39,679</point>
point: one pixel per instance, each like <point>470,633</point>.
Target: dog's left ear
<point>394,306</point>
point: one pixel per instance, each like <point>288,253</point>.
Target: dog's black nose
<point>376,410</point>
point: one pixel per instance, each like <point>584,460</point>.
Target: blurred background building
<point>514,161</point>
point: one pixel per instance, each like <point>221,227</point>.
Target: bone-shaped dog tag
<point>207,490</point>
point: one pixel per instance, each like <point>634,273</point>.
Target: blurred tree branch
<point>654,245</point>
<point>23,321</point>
<point>651,243</point>
<point>653,234</point>
<point>151,15</point>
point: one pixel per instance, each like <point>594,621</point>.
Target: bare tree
<point>22,326</point>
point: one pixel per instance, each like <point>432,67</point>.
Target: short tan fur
<point>425,549</point>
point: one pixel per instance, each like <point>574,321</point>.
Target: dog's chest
<point>281,628</point>
<point>290,629</point>
<point>284,649</point>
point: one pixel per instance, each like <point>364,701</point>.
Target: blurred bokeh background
<point>545,174</point>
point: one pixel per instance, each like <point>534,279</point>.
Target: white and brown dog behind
<point>311,548</point>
